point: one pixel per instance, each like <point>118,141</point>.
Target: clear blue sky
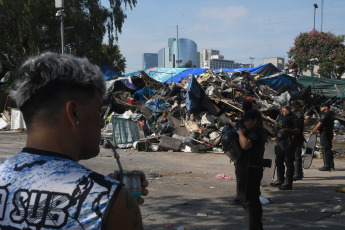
<point>239,29</point>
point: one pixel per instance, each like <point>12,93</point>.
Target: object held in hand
<point>132,180</point>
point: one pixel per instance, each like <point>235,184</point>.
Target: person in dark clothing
<point>285,132</point>
<point>252,141</point>
<point>325,126</point>
<point>298,174</point>
<point>239,168</point>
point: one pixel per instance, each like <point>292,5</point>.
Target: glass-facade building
<point>150,60</point>
<point>161,58</point>
<point>185,50</point>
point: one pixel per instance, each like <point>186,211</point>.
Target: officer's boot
<point>298,172</point>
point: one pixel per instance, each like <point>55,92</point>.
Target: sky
<point>238,29</point>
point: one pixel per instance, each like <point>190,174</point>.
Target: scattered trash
<point>264,200</point>
<point>223,176</point>
<point>336,210</point>
<point>217,213</point>
<point>201,214</point>
<point>340,189</point>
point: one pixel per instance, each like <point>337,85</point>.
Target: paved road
<point>184,192</point>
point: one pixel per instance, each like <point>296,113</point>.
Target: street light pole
<point>178,49</point>
<point>251,61</point>
<point>59,4</point>
<point>315,6</point>
<point>321,15</point>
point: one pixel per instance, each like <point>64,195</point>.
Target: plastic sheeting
<point>185,74</point>
<point>109,72</point>
<point>325,87</point>
<point>194,96</point>
<point>168,75</point>
<point>17,119</point>
<point>144,93</point>
<point>278,81</point>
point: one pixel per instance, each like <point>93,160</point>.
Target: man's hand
<point>282,130</point>
<point>240,131</point>
<point>273,139</point>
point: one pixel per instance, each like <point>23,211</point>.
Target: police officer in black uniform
<point>326,125</point>
<point>298,174</point>
<point>285,132</point>
<point>252,141</point>
<point>241,169</point>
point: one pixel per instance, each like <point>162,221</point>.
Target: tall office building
<point>185,50</point>
<point>150,60</point>
<point>161,58</point>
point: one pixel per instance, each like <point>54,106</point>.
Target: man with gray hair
<point>43,186</point>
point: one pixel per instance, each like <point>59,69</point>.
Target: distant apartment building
<point>277,61</point>
<point>218,62</point>
<point>206,55</point>
<point>150,60</point>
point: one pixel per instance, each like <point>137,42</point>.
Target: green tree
<point>318,48</point>
<point>188,64</point>
<point>30,27</point>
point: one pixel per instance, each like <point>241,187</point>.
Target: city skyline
<point>240,30</point>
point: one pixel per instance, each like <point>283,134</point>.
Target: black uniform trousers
<point>241,180</point>
<point>298,162</point>
<point>252,203</point>
<point>326,147</point>
<point>287,157</point>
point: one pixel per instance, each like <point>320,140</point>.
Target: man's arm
<point>124,213</point>
<point>245,142</point>
<point>317,127</point>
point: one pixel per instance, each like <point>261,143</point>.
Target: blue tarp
<point>185,74</point>
<point>144,92</point>
<point>168,75</point>
<point>194,96</point>
<point>164,74</point>
<point>109,72</point>
<point>278,81</point>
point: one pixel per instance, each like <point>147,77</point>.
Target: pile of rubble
<point>189,115</point>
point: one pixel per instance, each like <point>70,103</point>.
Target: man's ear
<point>72,109</point>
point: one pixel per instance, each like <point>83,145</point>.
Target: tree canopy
<point>31,27</point>
<point>188,64</point>
<point>318,48</point>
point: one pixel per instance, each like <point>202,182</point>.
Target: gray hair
<point>49,79</point>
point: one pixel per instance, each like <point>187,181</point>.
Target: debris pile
<point>189,114</point>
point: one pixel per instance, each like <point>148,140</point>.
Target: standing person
<point>285,131</point>
<point>44,186</point>
<point>298,174</point>
<point>326,125</point>
<point>252,141</point>
<point>241,169</point>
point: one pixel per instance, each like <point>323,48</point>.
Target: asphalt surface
<point>184,192</point>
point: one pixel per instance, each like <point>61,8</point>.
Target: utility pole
<point>178,49</point>
<point>315,6</point>
<point>251,61</point>
<point>59,4</point>
<point>321,15</point>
